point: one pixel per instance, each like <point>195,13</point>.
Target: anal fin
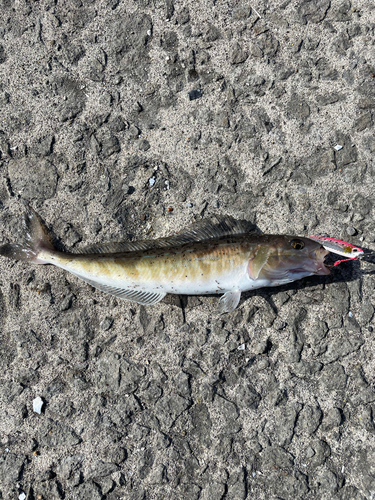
<point>229,301</point>
<point>139,296</point>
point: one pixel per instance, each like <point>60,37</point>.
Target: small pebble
<point>241,347</point>
<point>106,323</point>
<point>151,181</point>
<point>309,452</point>
<point>262,364</point>
<point>280,325</point>
<point>351,231</point>
<point>260,347</point>
<point>134,132</point>
<point>22,496</point>
<point>66,303</point>
<point>144,145</point>
<point>195,94</point>
<point>96,226</point>
<point>37,405</point>
<point>350,314</point>
<point>338,147</point>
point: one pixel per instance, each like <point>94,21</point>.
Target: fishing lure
<point>339,247</point>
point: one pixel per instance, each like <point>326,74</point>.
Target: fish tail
<point>37,244</point>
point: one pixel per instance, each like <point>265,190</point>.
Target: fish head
<point>288,258</point>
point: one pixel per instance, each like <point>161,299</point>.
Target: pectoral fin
<point>257,263</point>
<point>229,301</point>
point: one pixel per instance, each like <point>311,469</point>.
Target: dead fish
<point>216,256</point>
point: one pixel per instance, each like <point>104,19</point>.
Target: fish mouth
<point>317,261</point>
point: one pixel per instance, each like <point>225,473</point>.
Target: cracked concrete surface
<point>124,120</point>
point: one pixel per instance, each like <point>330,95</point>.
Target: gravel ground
<point>122,120</point>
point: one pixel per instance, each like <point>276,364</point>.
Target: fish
<point>220,255</point>
<point>339,247</point>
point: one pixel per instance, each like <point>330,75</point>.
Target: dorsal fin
<point>208,229</point>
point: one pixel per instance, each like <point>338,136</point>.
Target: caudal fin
<point>37,240</point>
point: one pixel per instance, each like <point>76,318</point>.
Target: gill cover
<point>257,263</point>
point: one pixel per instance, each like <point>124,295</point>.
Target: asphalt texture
<point>123,120</point>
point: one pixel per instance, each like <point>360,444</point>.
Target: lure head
<point>288,258</point>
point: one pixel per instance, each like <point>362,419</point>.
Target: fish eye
<point>355,250</point>
<point>297,244</point>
